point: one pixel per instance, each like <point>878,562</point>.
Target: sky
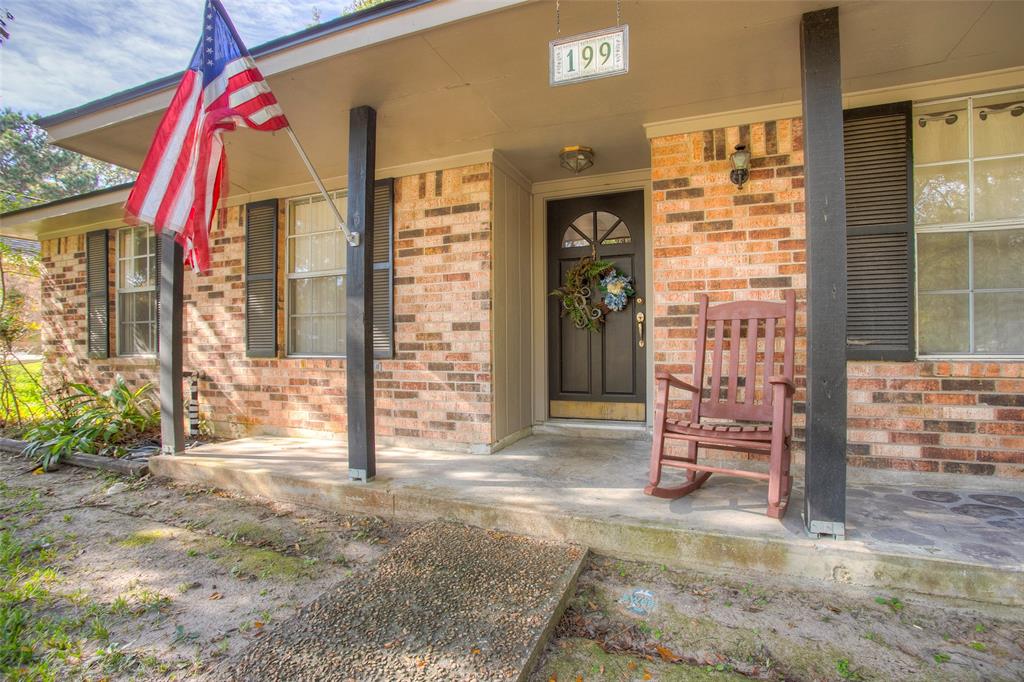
<point>63,53</point>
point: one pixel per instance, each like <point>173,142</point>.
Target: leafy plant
<point>893,603</point>
<point>942,657</point>
<point>575,293</point>
<point>94,422</point>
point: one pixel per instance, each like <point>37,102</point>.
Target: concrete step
<point>449,602</point>
<point>535,489</point>
<point>589,428</point>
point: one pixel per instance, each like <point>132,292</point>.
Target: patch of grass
<point>254,533</point>
<point>978,646</point>
<point>846,670</point>
<point>892,602</point>
<point>142,538</point>
<point>941,657</point>
<point>250,563</point>
<point>26,380</point>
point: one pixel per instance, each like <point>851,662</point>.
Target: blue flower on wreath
<point>617,289</point>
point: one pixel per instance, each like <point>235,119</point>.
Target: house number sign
<point>587,56</point>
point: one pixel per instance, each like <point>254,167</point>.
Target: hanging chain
<point>558,18</point>
<point>618,12</point>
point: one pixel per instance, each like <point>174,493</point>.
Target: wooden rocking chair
<point>770,403</point>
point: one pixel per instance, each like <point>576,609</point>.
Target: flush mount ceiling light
<point>576,158</point>
<point>740,165</point>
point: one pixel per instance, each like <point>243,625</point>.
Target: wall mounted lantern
<point>576,158</point>
<point>740,165</point>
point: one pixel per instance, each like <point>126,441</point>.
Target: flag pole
<point>351,237</point>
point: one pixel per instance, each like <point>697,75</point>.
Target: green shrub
<point>94,422</point>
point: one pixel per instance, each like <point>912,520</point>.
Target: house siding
<point>436,389</point>
<point>956,417</point>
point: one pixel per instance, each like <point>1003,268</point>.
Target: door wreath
<point>581,281</point>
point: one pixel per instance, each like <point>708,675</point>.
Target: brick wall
<point>64,329</point>
<point>437,387</point>
<point>709,236</point>
<point>958,417</point>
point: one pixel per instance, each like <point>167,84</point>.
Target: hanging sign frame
<point>587,56</point>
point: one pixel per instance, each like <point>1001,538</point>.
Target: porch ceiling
<point>482,82</point>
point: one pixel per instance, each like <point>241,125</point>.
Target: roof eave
<point>440,13</point>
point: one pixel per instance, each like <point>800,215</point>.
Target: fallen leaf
<point>667,655</point>
<point>476,652</point>
<point>215,596</point>
<point>579,678</point>
<point>647,675</point>
<point>631,665</point>
<point>257,623</point>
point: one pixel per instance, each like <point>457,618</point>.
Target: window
<point>596,226</point>
<point>136,291</point>
<point>969,219</point>
<point>315,294</point>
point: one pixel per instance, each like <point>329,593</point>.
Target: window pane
<point>942,261</point>
<point>572,239</point>
<point>140,241</point>
<point>999,260</point>
<point>124,241</point>
<point>999,322</point>
<point>999,125</point>
<point>300,296</point>
<point>999,188</point>
<point>298,255</point>
<point>943,323</point>
<point>585,224</point>
<point>317,316</point>
<point>143,305</point>
<point>620,235</point>
<point>940,132</point>
<point>940,194</point>
<point>125,309</point>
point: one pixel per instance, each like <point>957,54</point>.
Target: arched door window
<point>595,227</point>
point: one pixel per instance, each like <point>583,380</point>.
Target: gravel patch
<point>451,602</point>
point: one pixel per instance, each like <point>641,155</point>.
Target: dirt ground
<point>107,578</point>
<point>637,621</point>
<point>122,579</point>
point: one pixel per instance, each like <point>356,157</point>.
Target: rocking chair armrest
<point>783,381</point>
<point>673,381</point>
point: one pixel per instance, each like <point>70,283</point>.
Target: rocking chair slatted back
<point>748,395</point>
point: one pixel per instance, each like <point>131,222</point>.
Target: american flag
<point>180,181</point>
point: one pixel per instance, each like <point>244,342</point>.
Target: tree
<point>33,171</point>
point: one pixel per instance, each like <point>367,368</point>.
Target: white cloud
<point>64,53</point>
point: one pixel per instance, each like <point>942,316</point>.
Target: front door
<point>597,374</point>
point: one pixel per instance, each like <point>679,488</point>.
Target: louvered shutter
<point>880,232</point>
<point>261,279</point>
<point>97,293</point>
<point>383,293</point>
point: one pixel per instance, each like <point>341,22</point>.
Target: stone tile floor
<point>954,518</point>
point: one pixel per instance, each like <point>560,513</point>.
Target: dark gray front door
<point>597,375</point>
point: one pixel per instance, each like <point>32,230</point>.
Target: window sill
<point>314,357</point>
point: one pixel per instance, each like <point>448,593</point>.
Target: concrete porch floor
<point>917,535</point>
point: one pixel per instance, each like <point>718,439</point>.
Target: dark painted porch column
<point>172,405</point>
<point>825,477</point>
<point>362,150</point>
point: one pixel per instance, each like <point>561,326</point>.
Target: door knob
<point>640,329</point>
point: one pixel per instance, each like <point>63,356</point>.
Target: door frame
<point>587,185</point>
